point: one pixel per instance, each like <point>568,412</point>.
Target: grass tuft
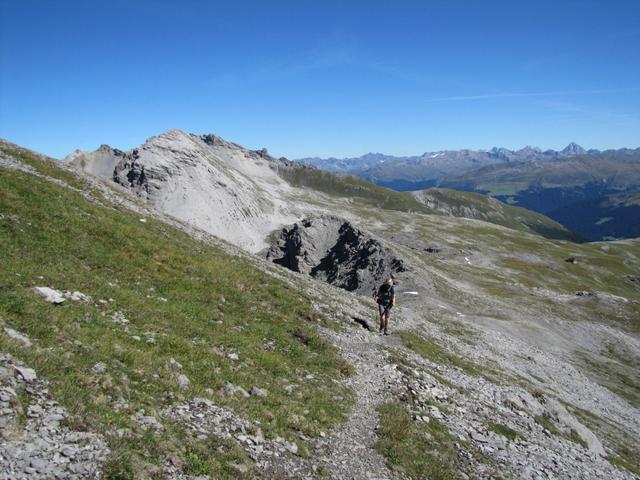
<point>429,349</point>
<point>417,450</point>
<point>505,431</point>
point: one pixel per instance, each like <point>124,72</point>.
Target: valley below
<point>591,192</point>
<point>208,313</point>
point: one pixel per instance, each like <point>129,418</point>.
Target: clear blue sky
<point>321,77</point>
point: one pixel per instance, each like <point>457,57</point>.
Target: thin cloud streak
<point>488,96</point>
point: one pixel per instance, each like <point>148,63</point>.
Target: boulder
<point>50,295</point>
<point>27,374</point>
<point>77,296</point>
<point>11,333</point>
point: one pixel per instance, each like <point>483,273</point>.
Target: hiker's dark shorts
<point>384,309</point>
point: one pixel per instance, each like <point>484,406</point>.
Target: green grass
<point>51,236</point>
<point>460,330</point>
<point>42,165</point>
<point>545,422</point>
<point>626,454</point>
<point>431,350</point>
<point>495,189</point>
<point>576,438</point>
<point>627,457</point>
<point>352,187</point>
<point>23,399</point>
<point>571,435</point>
<point>503,430</point>
<point>476,205</point>
<point>596,271</point>
<point>200,459</point>
<point>425,450</point>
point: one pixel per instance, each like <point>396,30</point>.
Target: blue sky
<point>306,78</point>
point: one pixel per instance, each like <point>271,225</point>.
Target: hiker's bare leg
<point>386,322</point>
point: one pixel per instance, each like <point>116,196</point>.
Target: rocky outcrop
<point>99,163</point>
<point>333,250</point>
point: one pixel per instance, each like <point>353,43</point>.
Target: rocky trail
<point>349,452</point>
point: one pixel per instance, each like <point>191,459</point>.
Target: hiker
<point>386,298</point>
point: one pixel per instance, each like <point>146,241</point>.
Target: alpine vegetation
<point>194,309</point>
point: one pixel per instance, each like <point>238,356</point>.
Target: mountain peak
<point>573,149</point>
<point>529,150</point>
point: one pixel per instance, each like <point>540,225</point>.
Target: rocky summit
<point>218,186</point>
<point>194,309</point>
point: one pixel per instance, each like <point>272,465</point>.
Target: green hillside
<point>183,299</point>
<point>349,186</point>
<point>446,202</point>
<point>483,207</point>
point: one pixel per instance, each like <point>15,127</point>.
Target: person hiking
<point>385,298</point>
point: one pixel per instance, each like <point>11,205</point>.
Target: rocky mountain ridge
<point>331,249</point>
<point>436,164</point>
<point>234,193</point>
<point>215,185</point>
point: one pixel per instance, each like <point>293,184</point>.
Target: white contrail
<point>486,96</point>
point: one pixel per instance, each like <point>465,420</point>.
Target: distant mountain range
<point>424,171</point>
<point>564,185</point>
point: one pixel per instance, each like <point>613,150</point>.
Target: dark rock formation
<point>333,250</point>
<point>130,173</point>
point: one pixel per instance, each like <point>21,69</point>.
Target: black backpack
<point>385,294</point>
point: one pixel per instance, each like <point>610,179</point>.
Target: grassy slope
<point>511,266</point>
<point>349,186</point>
<point>51,236</point>
<point>483,207</point>
<point>416,450</point>
<point>512,274</point>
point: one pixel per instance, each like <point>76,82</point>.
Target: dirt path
<point>349,451</point>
